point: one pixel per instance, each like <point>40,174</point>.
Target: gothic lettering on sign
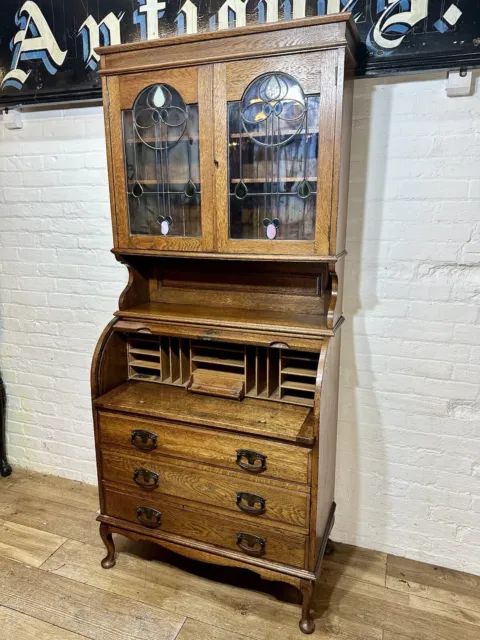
<point>47,49</point>
<point>107,32</point>
<point>34,40</point>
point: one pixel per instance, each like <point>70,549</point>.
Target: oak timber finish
<point>251,417</point>
<point>283,461</point>
<point>318,52</point>
<point>285,503</point>
<point>217,530</point>
<point>229,318</point>
<point>215,386</point>
<point>250,42</point>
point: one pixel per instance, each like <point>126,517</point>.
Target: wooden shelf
<point>297,371</point>
<point>287,132</point>
<point>295,400</point>
<point>256,417</point>
<point>195,182</point>
<point>143,376</point>
<point>299,386</point>
<point>138,141</point>
<point>144,364</point>
<point>242,319</point>
<point>262,180</point>
<point>228,362</point>
<point>145,352</point>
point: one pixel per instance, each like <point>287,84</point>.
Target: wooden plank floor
<point>53,588</point>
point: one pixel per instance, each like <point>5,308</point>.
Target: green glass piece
<point>304,189</point>
<point>190,189</point>
<point>241,191</point>
<point>137,190</point>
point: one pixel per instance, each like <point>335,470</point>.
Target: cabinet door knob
<point>149,517</point>
<point>255,461</point>
<point>144,440</point>
<point>251,503</point>
<point>253,545</point>
<point>146,479</point>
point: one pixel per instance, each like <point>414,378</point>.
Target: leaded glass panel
<point>161,137</point>
<point>273,150</point>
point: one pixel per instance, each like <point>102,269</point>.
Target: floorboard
<point>434,583</point>
<point>194,630</point>
<point>45,487</point>
<point>84,610</point>
<point>26,544</point>
<point>53,517</point>
<point>22,627</point>
<point>53,588</point>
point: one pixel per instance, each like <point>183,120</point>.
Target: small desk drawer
<point>255,457</point>
<point>158,515</point>
<point>258,498</point>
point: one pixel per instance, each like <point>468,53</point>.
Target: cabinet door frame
<point>195,85</point>
<point>230,80</point>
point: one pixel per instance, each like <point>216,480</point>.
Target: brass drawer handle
<point>146,479</point>
<point>149,517</point>
<point>144,440</point>
<point>253,545</point>
<point>256,462</point>
<point>251,503</point>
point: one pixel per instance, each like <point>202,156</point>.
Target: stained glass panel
<point>161,136</point>
<point>273,149</point>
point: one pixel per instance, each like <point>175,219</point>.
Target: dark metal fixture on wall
<point>47,49</point>
<point>5,468</point>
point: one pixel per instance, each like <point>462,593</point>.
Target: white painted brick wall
<point>408,479</point>
<point>59,284</point>
<point>408,464</point>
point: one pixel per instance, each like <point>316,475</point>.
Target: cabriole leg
<point>307,625</point>
<point>330,548</point>
<point>109,561</point>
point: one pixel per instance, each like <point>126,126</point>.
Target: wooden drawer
<point>284,461</point>
<point>221,531</point>
<point>275,500</point>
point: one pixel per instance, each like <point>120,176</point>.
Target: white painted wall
<point>408,478</point>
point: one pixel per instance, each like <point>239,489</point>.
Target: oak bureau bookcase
<point>215,386</point>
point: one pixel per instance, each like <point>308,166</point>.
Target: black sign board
<point>47,47</point>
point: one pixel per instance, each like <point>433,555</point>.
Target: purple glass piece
<point>271,232</point>
<point>165,227</point>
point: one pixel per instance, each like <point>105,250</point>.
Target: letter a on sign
<point>33,41</point>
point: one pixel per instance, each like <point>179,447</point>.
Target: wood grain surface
<point>257,417</point>
<point>361,594</point>
<point>210,486</point>
<point>283,461</point>
<point>198,524</point>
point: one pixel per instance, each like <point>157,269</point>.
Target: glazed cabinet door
<point>161,158</point>
<point>274,147</point>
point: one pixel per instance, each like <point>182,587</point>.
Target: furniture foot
<point>330,548</point>
<point>5,468</point>
<point>306,624</point>
<point>109,561</point>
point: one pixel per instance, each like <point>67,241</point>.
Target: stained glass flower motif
<point>274,103</point>
<point>160,116</point>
